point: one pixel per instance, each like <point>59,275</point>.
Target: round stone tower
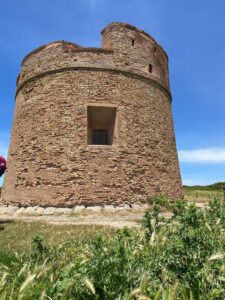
<point>93,126</point>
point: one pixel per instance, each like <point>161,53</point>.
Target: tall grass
<point>181,257</point>
<point>202,196</point>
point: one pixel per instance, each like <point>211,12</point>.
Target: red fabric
<point>2,162</point>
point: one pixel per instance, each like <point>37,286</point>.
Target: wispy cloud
<point>197,181</point>
<point>94,3</point>
<point>206,155</point>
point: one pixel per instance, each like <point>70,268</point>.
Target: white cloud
<point>198,181</point>
<point>207,155</point>
<point>94,3</point>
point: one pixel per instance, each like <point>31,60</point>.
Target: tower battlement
<point>124,48</point>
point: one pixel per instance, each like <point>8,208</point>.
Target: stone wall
<point>135,50</point>
<point>50,160</point>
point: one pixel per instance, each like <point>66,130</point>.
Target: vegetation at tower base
<point>181,257</point>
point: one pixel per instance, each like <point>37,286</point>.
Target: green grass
<point>205,193</point>
<point>17,236</point>
<point>195,195</point>
<point>182,257</point>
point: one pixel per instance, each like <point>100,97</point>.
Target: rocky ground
<point>107,215</point>
<point>96,215</point>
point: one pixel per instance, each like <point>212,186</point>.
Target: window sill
<point>102,146</point>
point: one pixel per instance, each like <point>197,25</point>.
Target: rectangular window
<point>102,128</point>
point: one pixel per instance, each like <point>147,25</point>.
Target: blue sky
<point>192,33</point>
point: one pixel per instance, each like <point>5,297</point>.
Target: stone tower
<point>93,126</point>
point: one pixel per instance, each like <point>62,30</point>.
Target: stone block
<point>79,208</point>
<point>136,206</point>
<point>12,209</point>
<point>20,211</point>
<point>123,207</point>
<point>29,210</point>
<point>63,211</point>
<point>109,208</point>
<point>94,208</point>
<point>39,210</point>
<point>4,210</point>
<point>49,211</point>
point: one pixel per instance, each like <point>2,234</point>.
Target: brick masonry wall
<point>135,50</point>
<point>50,162</point>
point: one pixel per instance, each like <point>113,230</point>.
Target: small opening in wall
<point>102,128</point>
<point>132,42</point>
<point>154,49</point>
<point>150,67</point>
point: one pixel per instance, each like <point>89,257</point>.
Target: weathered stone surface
<point>49,211</point>
<point>3,210</point>
<point>30,210</point>
<point>126,206</point>
<point>7,209</point>
<point>78,208</point>
<point>137,206</point>
<point>60,211</point>
<point>94,208</point>
<point>20,211</point>
<point>50,156</point>
<point>109,208</point>
<point>39,210</point>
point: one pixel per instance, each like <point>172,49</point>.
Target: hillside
<point>211,187</point>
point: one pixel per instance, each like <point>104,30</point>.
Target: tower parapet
<point>124,48</point>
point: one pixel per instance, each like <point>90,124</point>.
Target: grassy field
<point>182,257</point>
<point>18,236</point>
<point>202,196</point>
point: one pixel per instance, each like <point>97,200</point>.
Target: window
<point>102,128</point>
<point>150,68</point>
<point>132,42</point>
<point>99,137</point>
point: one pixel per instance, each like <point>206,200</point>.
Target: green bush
<point>181,257</point>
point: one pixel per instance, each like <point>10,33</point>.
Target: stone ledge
<point>45,211</point>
